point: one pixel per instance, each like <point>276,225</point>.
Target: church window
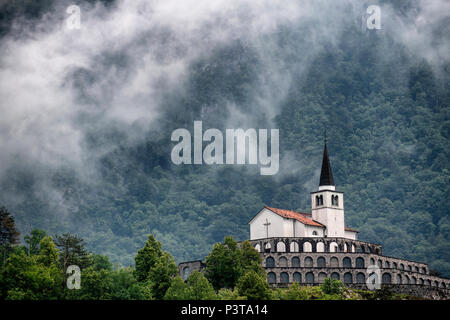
<point>386,278</point>
<point>294,247</point>
<point>282,262</point>
<point>267,247</point>
<point>334,200</point>
<point>333,247</point>
<point>295,262</point>
<point>321,262</point>
<point>186,273</point>
<point>270,262</point>
<point>307,247</point>
<point>322,277</point>
<point>334,262</point>
<point>359,262</point>
<point>317,201</point>
<point>308,262</point>
<point>360,278</point>
<point>281,247</point>
<point>348,278</point>
<point>347,262</point>
<point>314,233</point>
<point>284,277</point>
<point>380,264</point>
<point>320,247</point>
<point>335,276</point>
<point>309,277</point>
<point>321,200</point>
<point>297,277</point>
<point>271,277</point>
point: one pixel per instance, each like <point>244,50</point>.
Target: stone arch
<point>413,280</point>
<point>416,269</point>
<point>320,247</point>
<point>284,277</point>
<point>321,262</point>
<point>348,278</point>
<point>443,285</point>
<point>394,265</point>
<point>308,263</point>
<point>282,262</point>
<point>257,247</point>
<point>428,282</point>
<point>335,276</point>
<point>380,264</point>
<point>322,277</point>
<point>372,262</point>
<point>186,272</point>
<point>295,262</point>
<point>386,278</point>
<point>297,277</point>
<point>267,247</point>
<point>334,262</point>
<point>333,247</point>
<point>360,277</point>
<point>387,265</point>
<point>353,248</point>
<point>281,246</point>
<point>406,280</point>
<point>409,268</point>
<point>424,270</point>
<point>435,284</point>
<point>294,247</point>
<point>402,266</point>
<point>360,262</point>
<point>347,262</point>
<point>309,277</point>
<point>399,279</point>
<point>270,262</point>
<point>421,281</point>
<point>307,247</point>
<point>271,277</point>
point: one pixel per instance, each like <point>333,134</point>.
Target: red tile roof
<point>303,217</point>
<point>299,216</point>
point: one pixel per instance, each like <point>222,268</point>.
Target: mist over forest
<point>86,118</point>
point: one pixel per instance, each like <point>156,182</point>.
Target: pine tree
<point>8,232</point>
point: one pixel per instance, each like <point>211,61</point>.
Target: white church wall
<point>258,229</point>
<point>351,235</point>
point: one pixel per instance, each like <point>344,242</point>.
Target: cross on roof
<point>267,224</point>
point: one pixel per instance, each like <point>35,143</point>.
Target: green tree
<point>250,259</point>
<point>199,287</point>
<point>332,286</point>
<point>253,286</point>
<point>147,257</point>
<point>73,251</point>
<point>161,274</point>
<point>33,240</point>
<point>178,290</point>
<point>223,267</point>
<point>8,232</point>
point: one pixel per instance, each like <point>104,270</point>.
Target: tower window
<point>319,200</point>
<point>334,200</point>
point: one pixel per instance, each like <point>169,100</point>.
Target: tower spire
<point>326,175</point>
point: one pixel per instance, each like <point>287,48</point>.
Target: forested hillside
<point>384,103</point>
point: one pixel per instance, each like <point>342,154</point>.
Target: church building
<point>326,219</point>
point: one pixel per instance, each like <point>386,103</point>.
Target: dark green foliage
<point>33,240</point>
<point>253,286</point>
<point>332,286</point>
<point>73,251</point>
<point>147,257</point>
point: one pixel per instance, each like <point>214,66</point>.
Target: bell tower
<point>328,204</point>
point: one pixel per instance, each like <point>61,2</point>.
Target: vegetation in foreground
<point>36,271</point>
